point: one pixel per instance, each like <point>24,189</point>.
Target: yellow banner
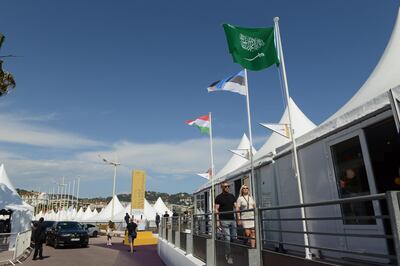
<point>138,189</point>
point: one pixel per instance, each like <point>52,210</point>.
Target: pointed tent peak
<point>159,201</point>
<point>384,77</point>
<point>160,207</point>
<point>300,123</point>
<point>245,143</point>
<point>5,180</point>
<point>236,160</point>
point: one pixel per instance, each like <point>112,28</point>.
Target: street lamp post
<point>115,164</point>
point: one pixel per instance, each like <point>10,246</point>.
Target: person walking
<point>157,221</point>
<point>127,218</point>
<point>246,219</point>
<point>39,238</point>
<point>110,228</point>
<point>226,202</point>
<point>132,233</point>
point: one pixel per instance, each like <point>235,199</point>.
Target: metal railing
<point>5,254</point>
<point>342,239</point>
<point>22,243</point>
<point>234,231</point>
<point>12,254</point>
<point>279,230</point>
<point>202,225</point>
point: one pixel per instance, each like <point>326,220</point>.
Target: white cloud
<point>185,157</point>
<point>177,161</point>
<point>20,129</point>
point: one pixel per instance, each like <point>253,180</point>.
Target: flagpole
<point>297,169</point>
<point>212,190</point>
<point>252,178</point>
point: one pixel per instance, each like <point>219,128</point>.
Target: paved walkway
<point>99,254</point>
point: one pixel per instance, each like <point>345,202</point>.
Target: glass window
<point>352,180</point>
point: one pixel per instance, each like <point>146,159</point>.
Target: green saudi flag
<point>253,49</point>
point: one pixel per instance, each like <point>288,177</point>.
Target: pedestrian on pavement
<point>132,233</point>
<point>226,202</point>
<point>127,218</point>
<point>39,238</point>
<point>157,220</point>
<point>110,229</point>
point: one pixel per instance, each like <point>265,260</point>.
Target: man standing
<point>131,227</point>
<point>39,237</point>
<point>166,216</point>
<point>157,221</point>
<point>226,202</point>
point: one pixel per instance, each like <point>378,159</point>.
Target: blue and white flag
<point>235,83</point>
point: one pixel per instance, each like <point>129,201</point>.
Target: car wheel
<point>95,234</point>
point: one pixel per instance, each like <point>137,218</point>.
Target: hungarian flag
<point>252,48</point>
<point>203,123</point>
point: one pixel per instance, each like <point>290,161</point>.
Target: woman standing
<point>246,219</point>
<point>110,228</point>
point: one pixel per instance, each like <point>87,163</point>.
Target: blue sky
<point>119,78</point>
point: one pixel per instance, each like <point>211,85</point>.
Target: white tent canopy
<point>236,161</point>
<point>87,214</point>
<point>149,213</point>
<point>372,95</point>
<point>21,216</point>
<point>79,214</point>
<point>105,214</point>
<point>160,207</point>
<point>384,77</point>
<point>300,124</point>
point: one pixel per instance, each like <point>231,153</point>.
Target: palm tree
<point>7,81</point>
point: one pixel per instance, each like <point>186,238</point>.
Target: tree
<point>7,81</point>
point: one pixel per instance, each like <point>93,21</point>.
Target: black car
<point>48,225</point>
<point>67,234</point>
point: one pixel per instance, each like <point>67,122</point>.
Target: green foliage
<point>7,81</point>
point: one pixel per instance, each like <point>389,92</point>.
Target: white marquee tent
<point>236,160</point>
<point>301,125</point>
<point>372,94</point>
<point>21,216</point>
<point>105,214</point>
<point>160,207</point>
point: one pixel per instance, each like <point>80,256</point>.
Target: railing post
<point>210,252</point>
<point>393,202</point>
<point>189,238</point>
<point>169,226</point>
<point>178,233</point>
<point>16,246</point>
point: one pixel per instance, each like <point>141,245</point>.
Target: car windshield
<point>48,223</point>
<point>68,226</point>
